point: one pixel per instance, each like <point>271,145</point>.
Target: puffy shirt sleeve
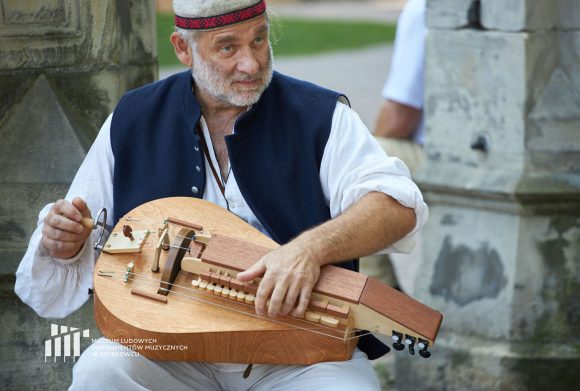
<point>55,288</point>
<point>354,164</point>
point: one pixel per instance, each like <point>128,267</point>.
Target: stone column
<point>63,66</point>
<point>501,255</point>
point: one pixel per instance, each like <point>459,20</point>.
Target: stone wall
<point>63,67</point>
<point>502,248</point>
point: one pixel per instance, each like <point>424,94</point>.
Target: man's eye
<point>259,39</point>
<point>228,48</point>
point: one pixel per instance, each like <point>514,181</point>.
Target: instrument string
<point>154,281</point>
<point>250,307</point>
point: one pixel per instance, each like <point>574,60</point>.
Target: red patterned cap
<point>214,14</point>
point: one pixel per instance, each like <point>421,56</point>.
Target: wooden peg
<point>233,294</point>
<point>147,295</point>
<point>226,292</point>
<point>185,224</point>
<point>210,287</point>
<point>218,290</point>
<point>195,283</point>
<point>88,222</point>
<point>203,284</point>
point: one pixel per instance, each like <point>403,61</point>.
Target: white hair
<point>190,36</point>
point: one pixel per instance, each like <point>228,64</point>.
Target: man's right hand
<point>63,235</point>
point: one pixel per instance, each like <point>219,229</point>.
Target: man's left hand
<point>289,274</point>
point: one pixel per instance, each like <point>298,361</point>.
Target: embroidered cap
<point>213,14</point>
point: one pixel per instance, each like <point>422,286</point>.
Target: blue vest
<point>275,154</point>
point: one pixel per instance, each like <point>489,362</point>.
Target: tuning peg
<point>410,341</point>
<point>128,232</point>
<point>397,337</point>
<point>423,345</point>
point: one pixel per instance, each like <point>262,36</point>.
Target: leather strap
<point>208,157</point>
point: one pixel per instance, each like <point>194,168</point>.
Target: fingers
<point>264,291</point>
<point>284,296</point>
<point>290,299</point>
<point>81,206</point>
<point>278,294</point>
<point>65,208</point>
<point>255,271</point>
<point>60,228</point>
<point>305,295</point>
<point>62,233</point>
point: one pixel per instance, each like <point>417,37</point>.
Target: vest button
<point>198,168</point>
<point>196,148</point>
<point>195,190</point>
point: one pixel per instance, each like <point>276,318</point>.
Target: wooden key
<point>215,277</point>
<point>218,290</point>
<point>340,312</point>
<point>205,276</point>
<point>236,284</point>
<point>233,294</point>
<point>225,281</point>
<point>312,316</point>
<point>328,321</point>
<point>251,287</point>
<point>195,283</point>
<point>210,287</point>
<point>226,292</point>
<point>318,305</point>
<point>250,299</point>
<point>241,296</point>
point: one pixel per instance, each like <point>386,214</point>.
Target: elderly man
<point>285,155</point>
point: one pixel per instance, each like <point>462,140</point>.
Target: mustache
<point>240,76</point>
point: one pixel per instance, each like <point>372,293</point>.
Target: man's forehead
<point>255,26</point>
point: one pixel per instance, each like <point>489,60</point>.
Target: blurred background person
<point>400,125</point>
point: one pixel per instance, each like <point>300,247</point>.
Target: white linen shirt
<point>405,83</point>
<point>353,164</point>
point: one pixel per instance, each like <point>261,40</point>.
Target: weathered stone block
<point>467,272</point>
<point>552,135</point>
<point>569,15</point>
<point>64,65</point>
<point>460,364</point>
<point>447,14</point>
<point>480,84</point>
<point>519,15</point>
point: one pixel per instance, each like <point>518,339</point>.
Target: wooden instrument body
<point>198,326</point>
<point>184,329</point>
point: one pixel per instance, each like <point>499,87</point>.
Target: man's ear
<point>182,49</point>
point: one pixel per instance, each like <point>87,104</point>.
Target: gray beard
<point>208,78</point>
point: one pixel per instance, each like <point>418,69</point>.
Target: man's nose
<point>248,62</point>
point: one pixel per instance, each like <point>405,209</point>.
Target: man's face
<point>234,64</point>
